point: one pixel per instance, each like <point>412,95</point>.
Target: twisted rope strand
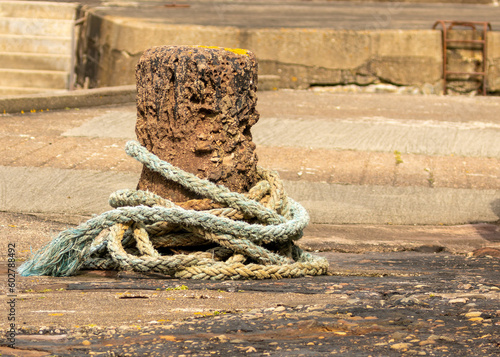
<point>202,187</point>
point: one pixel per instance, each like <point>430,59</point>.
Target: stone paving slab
<point>382,134</point>
<point>356,238</point>
<point>85,192</point>
<point>348,167</point>
<point>50,191</point>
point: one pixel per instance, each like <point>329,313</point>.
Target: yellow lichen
<point>201,46</point>
<point>238,51</point>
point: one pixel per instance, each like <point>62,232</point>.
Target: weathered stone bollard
<point>195,107</point>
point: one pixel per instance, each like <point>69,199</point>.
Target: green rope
<point>258,228</point>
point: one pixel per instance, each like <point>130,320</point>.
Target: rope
<point>245,236</point>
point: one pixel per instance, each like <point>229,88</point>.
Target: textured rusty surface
<point>195,108</point>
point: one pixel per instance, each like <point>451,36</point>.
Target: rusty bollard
<point>195,108</point>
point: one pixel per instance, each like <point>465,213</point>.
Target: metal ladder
<point>481,40</point>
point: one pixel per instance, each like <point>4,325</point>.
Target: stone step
<point>35,44</point>
<point>268,82</point>
<point>38,9</point>
<point>37,27</point>
<point>16,91</point>
<point>47,62</point>
<point>33,78</point>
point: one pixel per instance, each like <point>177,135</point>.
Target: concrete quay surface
<point>409,228</point>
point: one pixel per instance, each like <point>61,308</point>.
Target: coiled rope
<point>246,236</point>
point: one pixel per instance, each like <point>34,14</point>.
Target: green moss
<point>397,156</point>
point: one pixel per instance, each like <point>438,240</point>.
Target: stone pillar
<point>195,108</point>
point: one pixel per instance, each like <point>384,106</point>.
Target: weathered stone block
<point>195,107</point>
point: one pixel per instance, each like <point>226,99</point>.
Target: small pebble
<point>474,319</point>
<point>473,314</point>
<point>400,346</point>
<point>458,301</point>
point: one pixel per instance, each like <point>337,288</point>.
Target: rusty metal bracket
<point>473,25</point>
